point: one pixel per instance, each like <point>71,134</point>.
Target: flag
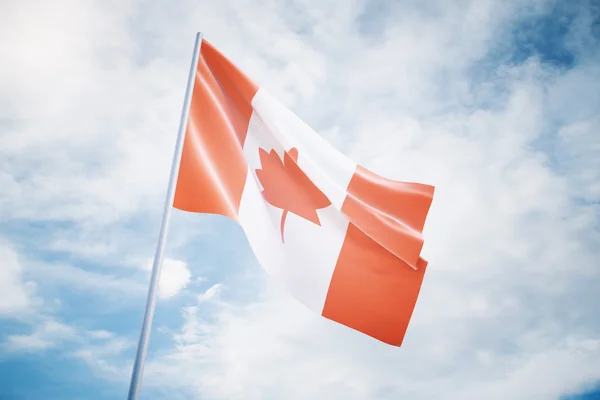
<point>340,239</point>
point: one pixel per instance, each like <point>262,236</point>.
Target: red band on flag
<point>372,290</point>
<point>213,168</point>
<point>392,213</point>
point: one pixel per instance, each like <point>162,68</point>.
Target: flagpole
<point>142,349</point>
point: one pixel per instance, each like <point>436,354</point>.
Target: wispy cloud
<point>92,282</point>
<point>17,296</point>
<point>212,292</point>
<point>48,333</point>
<point>96,348</point>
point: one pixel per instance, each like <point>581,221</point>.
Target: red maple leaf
<point>287,187</point>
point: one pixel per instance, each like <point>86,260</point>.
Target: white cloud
<point>27,342</point>
<point>175,276</point>
<point>210,293</point>
<point>580,144</point>
<point>100,334</point>
<point>16,295</point>
<point>275,347</point>
<point>48,333</point>
<point>92,172</point>
<point>98,349</point>
<point>100,357</point>
<point>91,281</point>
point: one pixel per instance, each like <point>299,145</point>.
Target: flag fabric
<point>340,239</point>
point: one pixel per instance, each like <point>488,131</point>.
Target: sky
<point>496,103</point>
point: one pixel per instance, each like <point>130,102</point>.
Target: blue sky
<point>496,103</point>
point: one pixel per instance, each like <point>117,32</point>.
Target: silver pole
<point>140,358</point>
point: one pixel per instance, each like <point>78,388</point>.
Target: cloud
<point>175,276</point>
<point>108,286</point>
<point>210,293</point>
<point>16,295</point>
<point>100,334</point>
<point>48,333</point>
<point>100,357</point>
<point>83,176</point>
<point>97,349</point>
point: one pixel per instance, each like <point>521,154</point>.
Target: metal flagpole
<point>140,358</point>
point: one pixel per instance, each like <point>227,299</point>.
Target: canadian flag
<point>342,240</point>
